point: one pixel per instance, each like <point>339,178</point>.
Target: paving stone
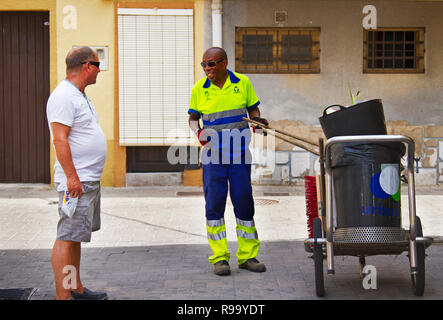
<point>157,268</point>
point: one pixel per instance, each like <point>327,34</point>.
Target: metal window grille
<point>277,50</point>
<point>394,51</point>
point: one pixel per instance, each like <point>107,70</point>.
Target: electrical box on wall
<point>103,56</point>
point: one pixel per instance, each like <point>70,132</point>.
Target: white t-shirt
<point>68,106</point>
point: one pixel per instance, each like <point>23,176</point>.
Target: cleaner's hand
<point>202,136</point>
<point>258,129</point>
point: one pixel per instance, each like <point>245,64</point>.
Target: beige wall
<point>413,103</point>
<point>416,98</point>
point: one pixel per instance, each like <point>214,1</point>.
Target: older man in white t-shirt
<point>80,147</point>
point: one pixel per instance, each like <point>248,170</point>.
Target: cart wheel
<point>418,279</point>
<point>318,260</point>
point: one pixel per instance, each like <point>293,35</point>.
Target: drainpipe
<point>217,7</point>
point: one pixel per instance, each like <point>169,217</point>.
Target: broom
<point>315,195</point>
<point>314,204</point>
<point>311,202</point>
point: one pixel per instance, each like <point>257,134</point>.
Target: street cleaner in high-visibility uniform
<point>221,100</point>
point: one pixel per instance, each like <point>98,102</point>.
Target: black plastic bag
<point>347,154</point>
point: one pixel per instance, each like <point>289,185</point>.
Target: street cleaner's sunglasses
<point>94,63</point>
<point>210,63</point>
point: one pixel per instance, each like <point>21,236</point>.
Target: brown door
<point>24,90</point>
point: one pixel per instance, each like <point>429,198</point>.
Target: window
<point>277,50</point>
<point>394,51</point>
<point>156,75</point>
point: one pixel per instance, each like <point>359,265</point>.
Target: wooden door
<point>24,90</point>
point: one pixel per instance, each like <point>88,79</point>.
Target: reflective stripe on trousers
<point>216,181</point>
<point>216,233</point>
<point>248,243</point>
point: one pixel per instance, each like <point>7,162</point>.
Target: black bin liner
<point>366,181</point>
<point>364,118</point>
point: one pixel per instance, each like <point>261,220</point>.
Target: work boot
<point>221,268</point>
<point>253,265</point>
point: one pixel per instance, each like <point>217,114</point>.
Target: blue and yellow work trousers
<point>216,178</point>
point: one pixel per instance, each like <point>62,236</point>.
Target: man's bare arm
<point>60,134</point>
<point>254,113</point>
<point>193,122</point>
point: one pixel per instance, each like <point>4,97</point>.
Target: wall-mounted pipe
<point>217,11</point>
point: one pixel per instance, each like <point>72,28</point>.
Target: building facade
<point>300,55</point>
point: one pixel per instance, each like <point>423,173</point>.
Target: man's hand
<point>257,128</point>
<point>200,133</point>
<point>202,136</point>
<point>74,187</point>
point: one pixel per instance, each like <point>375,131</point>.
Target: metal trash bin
<point>366,178</point>
<point>377,243</point>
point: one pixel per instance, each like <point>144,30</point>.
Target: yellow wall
<point>96,27</point>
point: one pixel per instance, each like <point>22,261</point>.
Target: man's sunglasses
<point>94,63</point>
<point>210,63</point>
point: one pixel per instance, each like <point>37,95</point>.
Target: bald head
<point>220,52</point>
<point>215,64</point>
<point>78,55</point>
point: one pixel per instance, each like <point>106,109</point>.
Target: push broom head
<point>311,202</point>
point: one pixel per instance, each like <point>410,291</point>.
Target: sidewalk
<point>153,245</point>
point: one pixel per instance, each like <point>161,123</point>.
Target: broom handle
<point>322,185</point>
<point>292,142</point>
<point>279,131</point>
<point>322,174</point>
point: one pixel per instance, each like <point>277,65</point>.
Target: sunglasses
<point>94,63</point>
<point>210,63</point>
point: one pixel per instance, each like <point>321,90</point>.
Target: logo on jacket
<point>236,89</point>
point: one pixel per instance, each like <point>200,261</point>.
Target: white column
<point>217,10</point>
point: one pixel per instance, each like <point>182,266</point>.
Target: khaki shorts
<point>86,218</point>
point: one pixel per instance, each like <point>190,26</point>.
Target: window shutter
<point>155,48</point>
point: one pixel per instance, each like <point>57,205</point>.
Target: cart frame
<point>327,236</point>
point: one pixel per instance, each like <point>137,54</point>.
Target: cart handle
<point>371,139</point>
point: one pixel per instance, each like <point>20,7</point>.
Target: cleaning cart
<point>339,238</point>
<point>361,194</point>
<point>358,196</point>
